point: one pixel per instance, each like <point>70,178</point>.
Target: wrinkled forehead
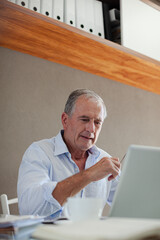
<point>84,103</point>
<point>88,99</point>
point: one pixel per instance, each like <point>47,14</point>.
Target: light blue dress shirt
<point>47,162</point>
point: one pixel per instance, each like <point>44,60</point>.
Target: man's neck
<point>80,159</point>
<point>78,156</point>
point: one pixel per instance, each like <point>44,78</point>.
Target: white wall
<point>140,28</point>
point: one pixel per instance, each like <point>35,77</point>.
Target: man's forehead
<point>83,100</point>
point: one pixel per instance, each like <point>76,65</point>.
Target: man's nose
<point>90,126</point>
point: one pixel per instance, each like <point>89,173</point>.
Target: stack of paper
<point>109,229</point>
<point>18,226</point>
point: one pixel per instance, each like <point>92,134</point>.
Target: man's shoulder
<point>47,143</point>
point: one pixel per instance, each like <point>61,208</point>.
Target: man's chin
<point>86,144</point>
<point>86,147</point>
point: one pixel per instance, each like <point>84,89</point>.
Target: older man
<point>69,164</point>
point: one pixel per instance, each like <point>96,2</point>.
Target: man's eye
<point>85,119</point>
<point>98,123</point>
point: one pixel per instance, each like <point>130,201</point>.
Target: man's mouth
<point>87,137</point>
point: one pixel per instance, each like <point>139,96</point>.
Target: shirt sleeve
<point>35,185</point>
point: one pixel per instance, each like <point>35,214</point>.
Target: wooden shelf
<point>26,31</point>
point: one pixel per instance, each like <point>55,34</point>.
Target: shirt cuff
<point>48,189</point>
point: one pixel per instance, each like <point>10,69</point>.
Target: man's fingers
<point>111,177</point>
<point>114,174</point>
<point>106,166</point>
<point>116,162</point>
<point>116,169</point>
<point>116,159</point>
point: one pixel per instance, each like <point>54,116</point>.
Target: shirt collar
<point>61,147</point>
<point>94,151</point>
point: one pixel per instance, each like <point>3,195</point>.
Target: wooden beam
<point>26,31</point>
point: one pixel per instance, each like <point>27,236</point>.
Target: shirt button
<point>76,169</point>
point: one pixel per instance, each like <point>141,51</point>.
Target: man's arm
<point>72,185</point>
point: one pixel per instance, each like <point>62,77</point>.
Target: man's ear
<point>64,119</point>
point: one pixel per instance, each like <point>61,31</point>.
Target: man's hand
<point>106,166</point>
<point>72,185</point>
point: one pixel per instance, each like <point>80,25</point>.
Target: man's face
<point>82,128</point>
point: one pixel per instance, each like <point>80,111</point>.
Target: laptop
<point>138,192</point>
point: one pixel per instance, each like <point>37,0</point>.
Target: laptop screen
<point>138,192</point>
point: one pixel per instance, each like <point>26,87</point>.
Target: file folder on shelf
<point>98,19</point>
<point>81,14</point>
<point>46,7</point>
<point>34,5</point>
<point>23,3</point>
<point>89,19</point>
<point>69,12</point>
<point>58,6</point>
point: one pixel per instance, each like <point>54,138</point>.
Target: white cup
<point>78,209</point>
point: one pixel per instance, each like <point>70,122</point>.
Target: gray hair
<point>70,104</point>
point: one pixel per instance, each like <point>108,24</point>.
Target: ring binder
<point>46,7</point>
<point>69,12</point>
<point>58,6</point>
<point>23,3</point>
<point>98,19</point>
<point>34,5</point>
